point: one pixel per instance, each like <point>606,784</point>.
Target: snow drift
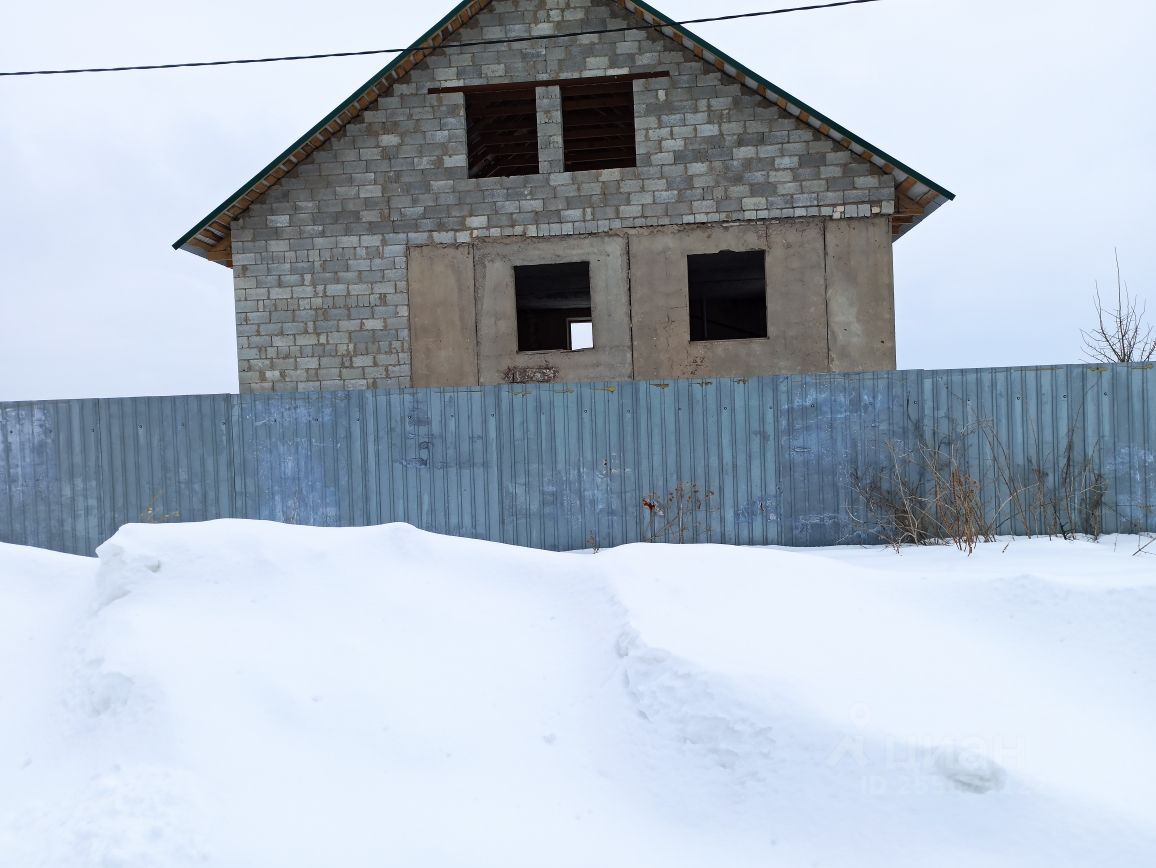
<point>246,694</point>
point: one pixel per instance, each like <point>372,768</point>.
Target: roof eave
<point>288,155</point>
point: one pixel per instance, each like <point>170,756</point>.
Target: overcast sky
<point>1038,115</point>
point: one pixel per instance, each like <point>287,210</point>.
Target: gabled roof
<point>918,195</point>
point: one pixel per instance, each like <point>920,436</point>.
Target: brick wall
<point>320,260</point>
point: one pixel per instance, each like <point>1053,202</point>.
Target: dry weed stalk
<point>928,494</point>
<point>924,496</point>
<point>1065,503</point>
<point>152,516</point>
<point>675,511</point>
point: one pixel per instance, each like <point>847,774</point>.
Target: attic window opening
<point>598,125</point>
<point>727,295</point>
<point>554,307</point>
<point>502,132</point>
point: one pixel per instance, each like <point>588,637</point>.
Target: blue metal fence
<point>766,460</point>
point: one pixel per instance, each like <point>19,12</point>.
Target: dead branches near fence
<point>923,495</point>
<point>674,513</point>
<point>964,487</point>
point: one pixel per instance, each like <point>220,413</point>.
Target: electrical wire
<point>506,41</point>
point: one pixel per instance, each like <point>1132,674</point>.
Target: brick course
<point>320,260</point>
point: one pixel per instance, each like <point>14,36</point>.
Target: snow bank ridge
<point>239,694</point>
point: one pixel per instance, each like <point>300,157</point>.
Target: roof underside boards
<point>917,196</point>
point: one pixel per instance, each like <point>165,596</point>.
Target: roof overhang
<point>917,195</point>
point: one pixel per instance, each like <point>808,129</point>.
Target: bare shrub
<point>924,495</point>
<point>1072,502</point>
<point>152,515</point>
<point>1121,333</point>
<point>674,513</point>
<point>1041,502</point>
<point>928,494</point>
<point>592,542</point>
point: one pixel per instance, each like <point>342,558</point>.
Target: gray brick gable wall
<point>320,264</point>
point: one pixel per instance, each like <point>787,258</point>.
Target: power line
<point>483,42</point>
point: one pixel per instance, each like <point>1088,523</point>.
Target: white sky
<point>1040,116</point>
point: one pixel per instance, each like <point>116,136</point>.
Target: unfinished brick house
<point>611,198</point>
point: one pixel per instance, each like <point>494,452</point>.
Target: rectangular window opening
<point>502,132</point>
<point>728,295</point>
<point>598,125</point>
<point>554,309</point>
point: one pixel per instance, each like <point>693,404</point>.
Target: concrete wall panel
<point>829,304</point>
<point>796,316</point>
<point>796,300</point>
<point>611,357</point>
<point>860,295</point>
<point>443,322</point>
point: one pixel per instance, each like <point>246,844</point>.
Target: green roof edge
<point>385,70</point>
<point>316,128</point>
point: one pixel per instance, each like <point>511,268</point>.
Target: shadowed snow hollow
<point>244,694</point>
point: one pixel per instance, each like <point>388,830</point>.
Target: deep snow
<point>247,694</point>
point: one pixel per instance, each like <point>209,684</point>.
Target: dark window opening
<point>598,125</point>
<point>502,132</point>
<point>728,295</point>
<point>552,301</point>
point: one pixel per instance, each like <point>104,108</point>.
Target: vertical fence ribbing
<point>559,466</point>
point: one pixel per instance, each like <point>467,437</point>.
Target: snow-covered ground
<point>246,695</point>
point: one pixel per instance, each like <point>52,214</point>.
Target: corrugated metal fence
<point>770,460</point>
